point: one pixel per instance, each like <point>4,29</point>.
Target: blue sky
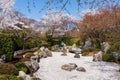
<point>21,6</point>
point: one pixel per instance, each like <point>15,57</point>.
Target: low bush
<point>10,77</point>
<point>108,58</point>
<point>6,46</point>
<point>22,67</point>
<point>8,69</point>
<point>115,47</point>
<point>84,54</point>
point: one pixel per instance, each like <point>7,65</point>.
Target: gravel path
<point>50,68</point>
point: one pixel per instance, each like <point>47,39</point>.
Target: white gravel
<point>50,68</point>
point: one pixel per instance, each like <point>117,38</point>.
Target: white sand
<point>50,69</point>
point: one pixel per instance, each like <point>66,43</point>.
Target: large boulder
<point>33,66</point>
<point>81,69</point>
<point>35,58</point>
<point>42,48</point>
<point>48,52</point>
<point>42,54</point>
<point>77,56</point>
<point>22,52</point>
<point>69,67</point>
<point>105,47</point>
<point>98,56</point>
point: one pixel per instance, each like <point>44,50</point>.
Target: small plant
<point>9,77</point>
<point>108,58</point>
<point>21,67</point>
<point>84,54</point>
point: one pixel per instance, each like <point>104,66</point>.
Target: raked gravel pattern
<point>50,68</point>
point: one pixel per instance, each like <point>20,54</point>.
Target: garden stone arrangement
<point>67,67</point>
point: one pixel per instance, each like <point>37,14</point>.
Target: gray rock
<point>35,79</point>
<point>24,75</point>
<point>116,55</point>
<point>2,59</point>
<point>105,47</point>
<point>42,54</point>
<point>76,50</point>
<point>81,69</point>
<point>33,66</point>
<point>63,44</point>
<point>42,48</point>
<point>98,56</point>
<point>21,52</point>
<point>69,67</point>
<point>88,43</point>
<point>34,58</point>
<point>77,56</point>
<point>63,54</point>
<point>73,65</point>
<point>64,51</point>
<point>48,52</point>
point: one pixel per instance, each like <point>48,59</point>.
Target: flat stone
<point>81,69</point>
<point>77,56</point>
<point>63,54</point>
<point>69,67</point>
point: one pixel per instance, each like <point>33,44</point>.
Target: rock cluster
<point>26,77</point>
<point>72,66</point>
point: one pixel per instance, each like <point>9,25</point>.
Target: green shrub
<point>84,54</point>
<point>108,58</point>
<point>115,47</point>
<point>21,67</point>
<point>6,46</point>
<point>8,69</point>
<point>10,77</point>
